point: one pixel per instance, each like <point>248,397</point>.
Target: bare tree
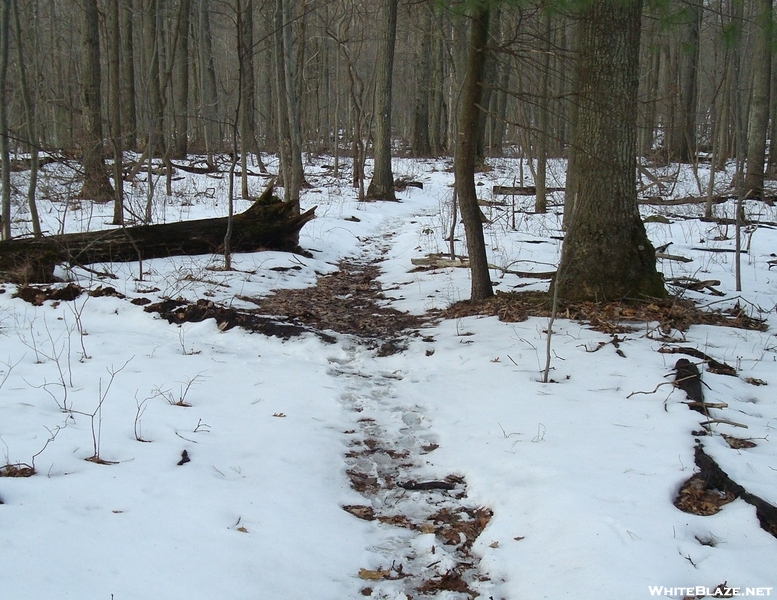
<point>29,119</point>
<point>96,185</point>
<point>465,158</point>
<point>155,109</point>
<point>114,46</point>
<point>180,84</point>
<point>128,110</point>
<point>5,159</point>
<point>382,184</point>
<point>288,118</point>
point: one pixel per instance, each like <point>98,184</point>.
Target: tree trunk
<point>288,116</point>
<point>437,118</point>
<point>180,142</point>
<point>465,156</point>
<point>5,159</point>
<point>606,253</point>
<point>421,123</point>
<point>573,168</point>
<point>682,143</point>
<point>114,43</point>
<point>382,185</point>
<point>268,224</point>
<point>128,109</point>
<point>208,87</point>
<point>758,122</point>
<point>541,200</point>
<point>155,109</point>
<point>29,120</point>
<point>96,185</point>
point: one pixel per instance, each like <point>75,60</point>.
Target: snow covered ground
<point>580,474</point>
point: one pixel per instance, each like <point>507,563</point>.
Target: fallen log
<point>526,190</point>
<point>268,224</point>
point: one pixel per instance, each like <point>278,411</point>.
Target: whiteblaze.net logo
<point>700,591</point>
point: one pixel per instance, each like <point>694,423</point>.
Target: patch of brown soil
<point>608,317</point>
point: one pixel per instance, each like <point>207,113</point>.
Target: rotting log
<point>268,224</point>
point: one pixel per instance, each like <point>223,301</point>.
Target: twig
<point>724,422</point>
<point>651,392</point>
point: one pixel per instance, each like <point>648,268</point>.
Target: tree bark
<point>29,120</point>
<point>96,185</point>
<point>155,112</point>
<point>180,142</point>
<point>128,109</point>
<point>758,121</point>
<point>114,42</point>
<point>288,118</point>
<point>421,145</point>
<point>465,156</point>
<point>541,200</point>
<point>208,89</point>
<point>606,253</point>
<point>5,159</point>
<point>382,185</point>
<point>268,224</point>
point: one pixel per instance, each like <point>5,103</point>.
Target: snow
<point>580,474</point>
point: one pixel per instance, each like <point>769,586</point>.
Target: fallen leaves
<point>698,498</point>
<point>608,317</point>
<point>17,470</point>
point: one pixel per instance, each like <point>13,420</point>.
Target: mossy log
<point>269,224</point>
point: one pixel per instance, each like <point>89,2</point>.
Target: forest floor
<point>345,425</point>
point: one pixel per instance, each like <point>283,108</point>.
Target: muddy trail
<point>423,544</point>
<point>428,525</point>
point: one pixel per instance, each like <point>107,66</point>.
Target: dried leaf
<point>373,575</point>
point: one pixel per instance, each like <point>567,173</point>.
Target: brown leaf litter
<point>608,317</point>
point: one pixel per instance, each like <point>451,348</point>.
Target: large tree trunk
<point>96,185</point>
<point>382,184</point>
<point>466,156</point>
<point>606,253</point>
<point>268,224</point>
